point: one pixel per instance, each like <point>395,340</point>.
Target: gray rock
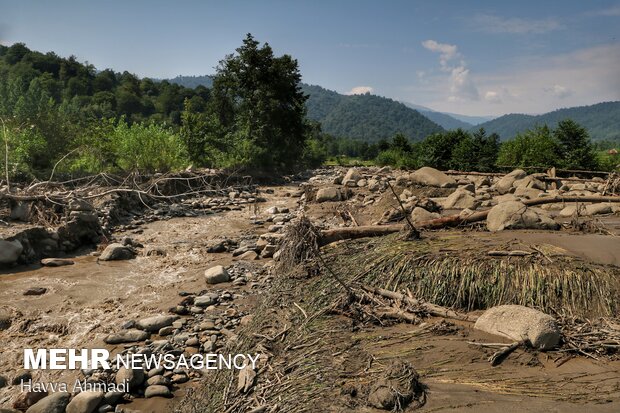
<point>432,177</point>
<point>3,381</point>
<point>10,251</point>
<point>85,402</point>
<point>157,391</point>
<point>352,177</point>
<point>216,275</point>
<point>56,262</point>
<point>329,194</point>
<point>154,323</point>
<point>158,381</point>
<point>6,319</point>
<point>504,185</point>
<point>460,199</point>
<point>115,252</point>
<point>20,212</point>
<point>113,397</point>
<point>35,291</point>
<point>206,300</point>
<point>516,215</point>
<point>521,323</point>
<point>420,215</point>
<point>28,398</point>
<point>248,256</point>
<point>133,377</point>
<point>126,336</point>
<point>54,403</point>
<point>599,209</point>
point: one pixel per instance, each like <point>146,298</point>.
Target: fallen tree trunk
<point>432,309</point>
<point>338,234</point>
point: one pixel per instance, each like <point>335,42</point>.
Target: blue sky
<point>468,57</point>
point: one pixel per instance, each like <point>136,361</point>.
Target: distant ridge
<point>602,121</point>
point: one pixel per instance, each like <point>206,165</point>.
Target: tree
<point>535,147</point>
<point>575,149</point>
<point>259,105</point>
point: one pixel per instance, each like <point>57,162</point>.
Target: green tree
<point>575,148</point>
<point>259,106</point>
<point>535,147</point>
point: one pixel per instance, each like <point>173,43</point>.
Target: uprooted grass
<point>311,362</point>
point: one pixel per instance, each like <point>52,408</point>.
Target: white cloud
<point>496,24</point>
<point>360,90</point>
<point>612,11</point>
<point>492,96</point>
<point>559,91</point>
<point>462,87</point>
<point>446,51</point>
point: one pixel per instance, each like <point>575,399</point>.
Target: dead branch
<point>432,309</point>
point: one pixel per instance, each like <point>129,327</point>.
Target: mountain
<point>192,81</point>
<point>366,117</point>
<point>602,121</point>
<point>474,120</point>
<point>442,119</point>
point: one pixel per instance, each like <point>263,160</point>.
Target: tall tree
<point>575,149</point>
<point>259,104</point>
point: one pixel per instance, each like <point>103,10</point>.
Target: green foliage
<point>365,117</point>
<point>575,150</point>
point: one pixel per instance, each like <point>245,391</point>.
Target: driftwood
<point>432,309</point>
<point>337,234</point>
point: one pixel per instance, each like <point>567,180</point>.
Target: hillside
<point>602,121</point>
<point>192,81</point>
<point>442,119</point>
<point>366,117</point>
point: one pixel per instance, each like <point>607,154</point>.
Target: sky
<point>466,57</point>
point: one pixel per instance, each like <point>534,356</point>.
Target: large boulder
<point>516,215</point>
<point>352,177</point>
<point>117,252</point>
<point>518,323</point>
<point>126,336</point>
<point>432,177</point>
<point>216,275</point>
<point>155,323</point>
<point>54,403</point>
<point>10,251</point>
<point>504,185</point>
<point>85,402</point>
<point>599,209</point>
<point>420,215</point>
<point>460,199</point>
<point>133,377</point>
<point>329,194</point>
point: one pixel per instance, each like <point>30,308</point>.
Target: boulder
<point>56,262</point>
<point>329,194</point>
<point>54,403</point>
<point>85,402</point>
<point>126,336</point>
<point>28,398</point>
<point>529,181</point>
<point>515,215</point>
<point>529,193</point>
<point>133,377</point>
<point>116,252</point>
<point>216,275</point>
<point>248,256</point>
<point>460,199</point>
<point>504,185</point>
<point>6,319</point>
<point>432,177</point>
<point>420,215</point>
<point>20,212</point>
<point>352,177</point>
<point>154,323</point>
<point>206,300</point>
<point>157,390</point>
<point>599,209</point>
<point>10,251</point>
<point>518,323</point>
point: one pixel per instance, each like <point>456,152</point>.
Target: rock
<point>248,256</point>
<point>515,215</point>
<point>153,324</point>
<point>28,398</point>
<point>460,199</point>
<point>56,262</point>
<point>133,377</point>
<point>126,336</point>
<point>54,403</point>
<point>521,323</point>
<point>272,210</point>
<point>352,177</point>
<point>570,210</point>
<point>3,381</point>
<point>432,177</point>
<point>362,183</point>
<point>245,379</point>
<point>329,194</point>
<point>374,185</point>
<point>85,402</point>
<point>7,410</point>
<point>206,300</point>
<point>35,291</point>
<point>268,251</point>
<point>117,252</point>
<point>397,388</point>
<point>157,380</point>
<point>157,390</point>
<point>21,376</point>
<point>420,215</point>
<point>216,275</point>
<point>504,185</point>
<point>80,205</point>
<point>10,251</point>
<point>155,252</point>
<point>529,193</point>
<point>599,209</point>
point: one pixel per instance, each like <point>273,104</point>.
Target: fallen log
<point>339,234</point>
<point>432,309</point>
